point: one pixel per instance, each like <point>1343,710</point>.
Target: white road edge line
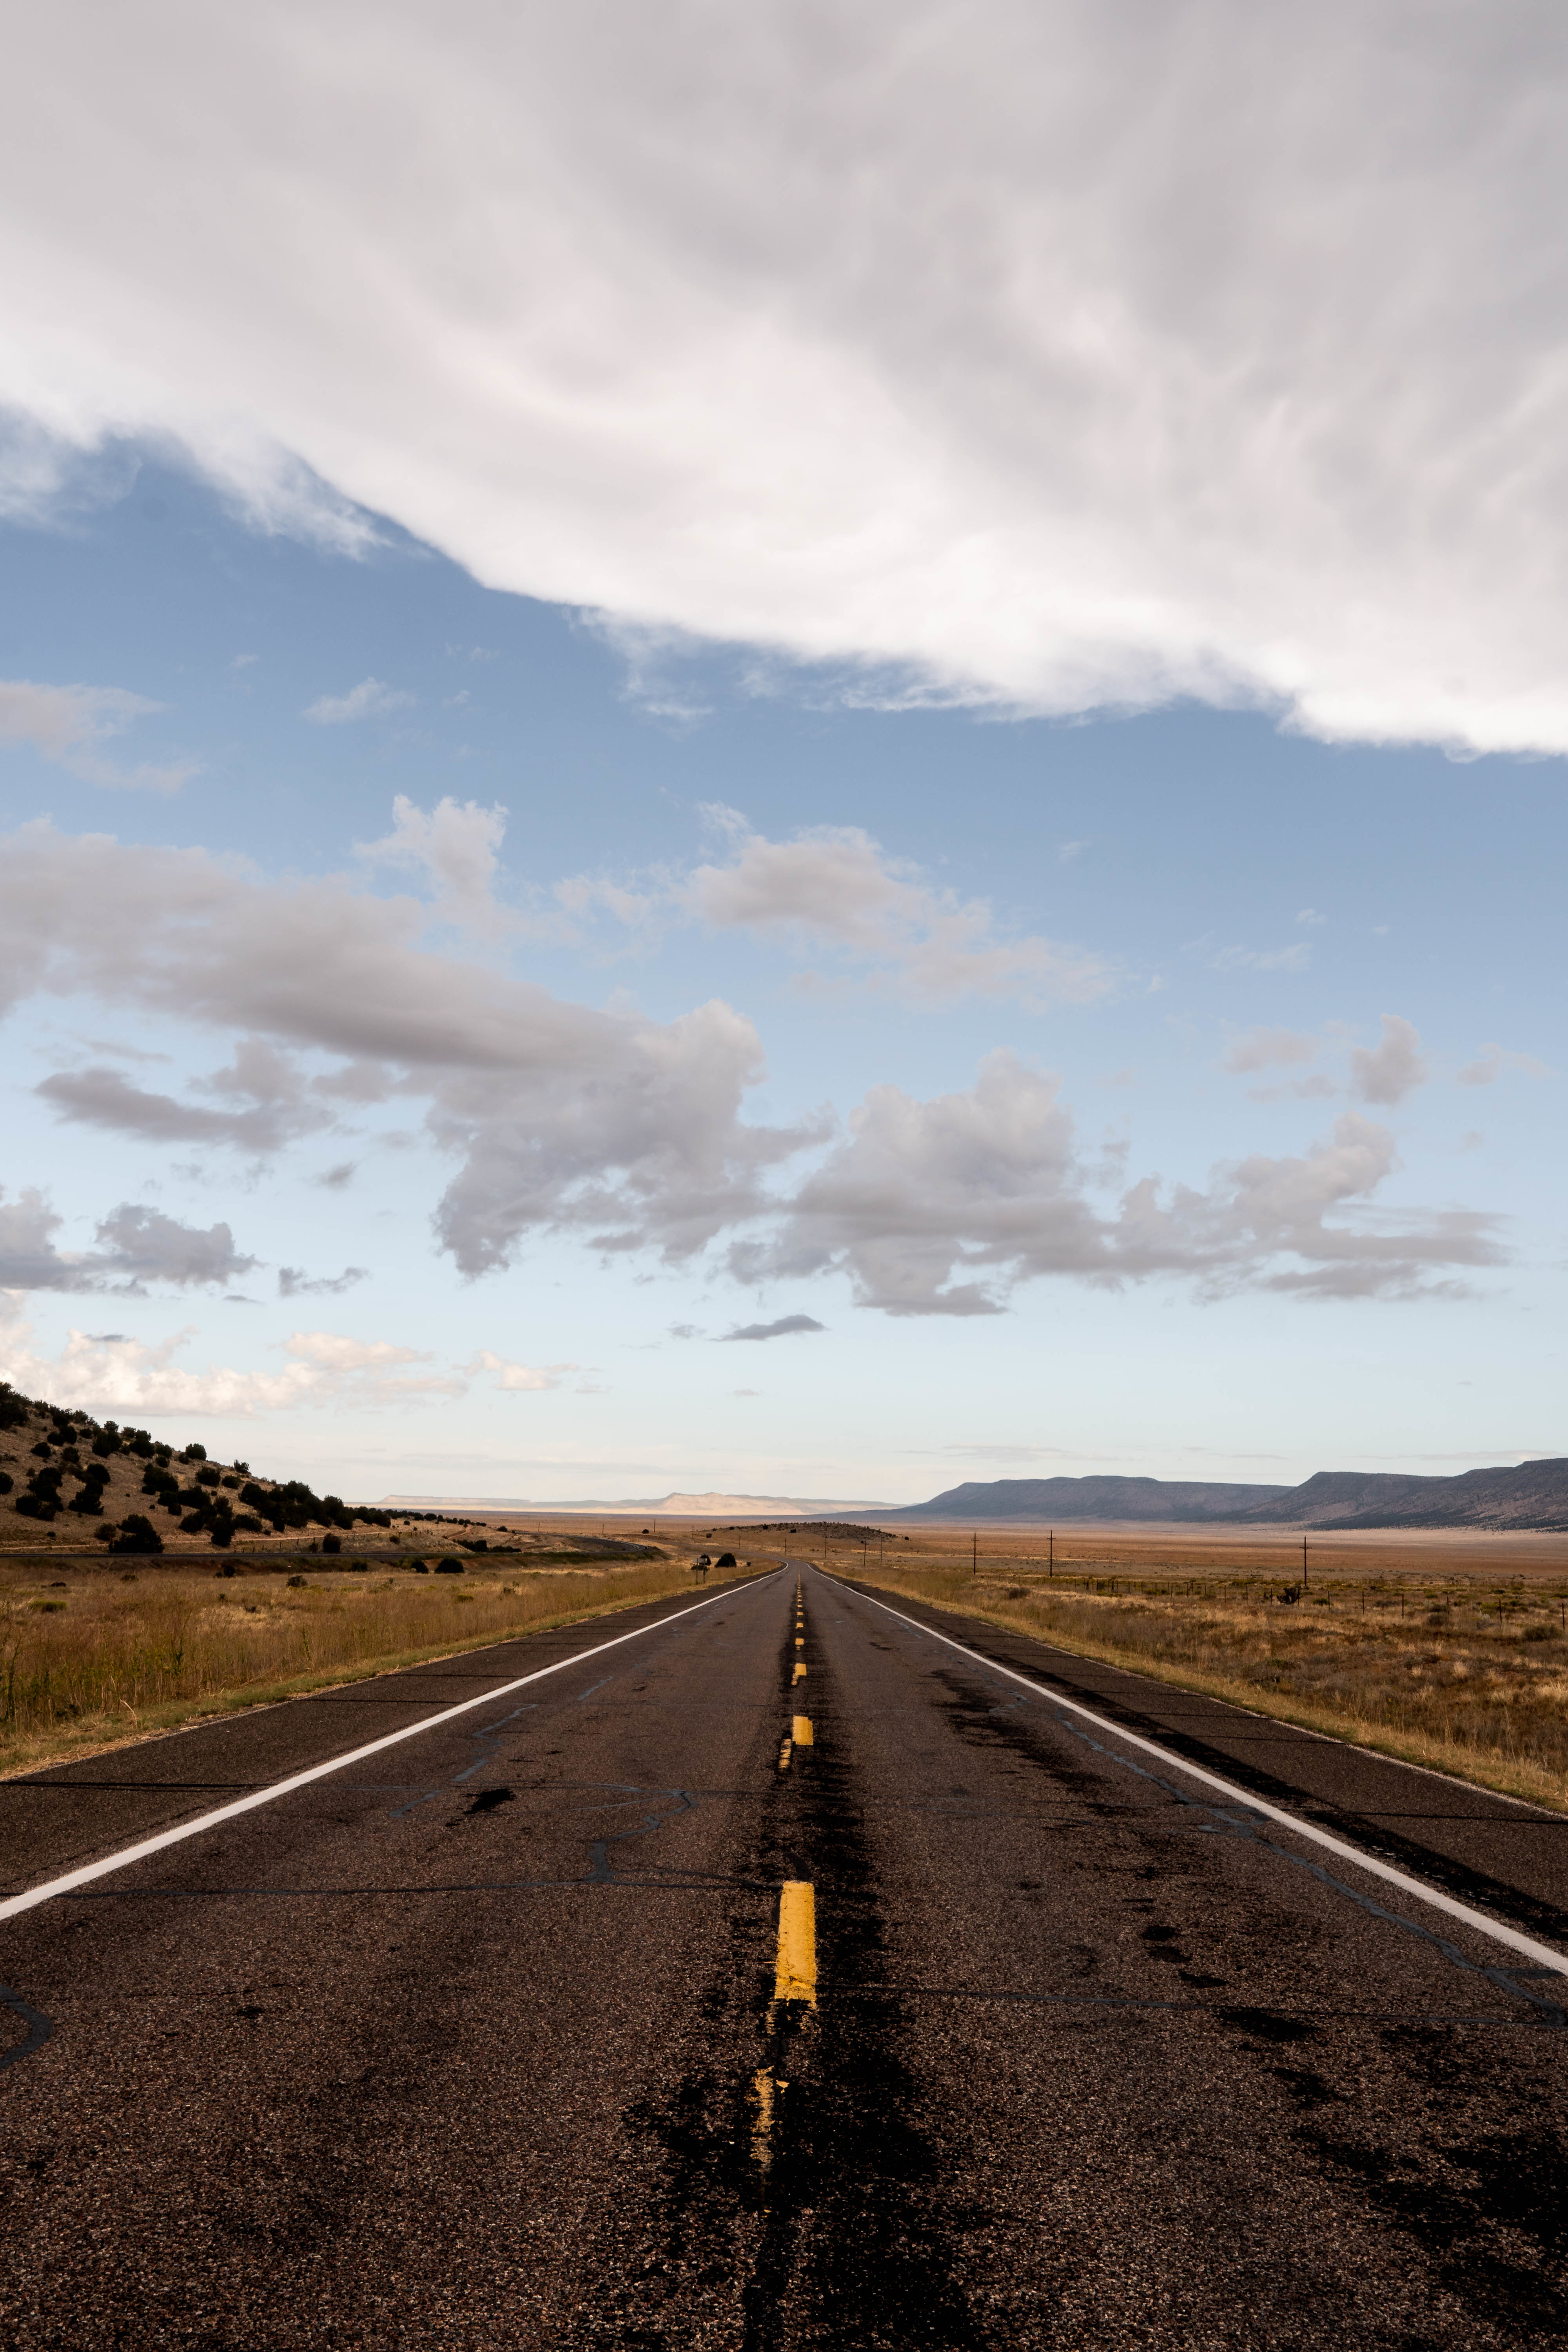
<point>13,1904</point>
<point>1526,1945</point>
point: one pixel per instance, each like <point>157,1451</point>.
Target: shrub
<point>137,1533</point>
<point>331,1543</point>
<point>7,1481</point>
<point>448,1568</point>
<point>208,1477</point>
<point>248,1524</point>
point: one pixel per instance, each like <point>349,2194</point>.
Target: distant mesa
<point>673,1506</point>
<point>1532,1494</point>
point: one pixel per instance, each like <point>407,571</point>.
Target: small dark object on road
<point>489,1799</point>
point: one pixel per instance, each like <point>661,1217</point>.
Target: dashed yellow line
<point>799,1671</point>
<point>801,1732</point>
<point>794,1974</point>
<point>784,1753</point>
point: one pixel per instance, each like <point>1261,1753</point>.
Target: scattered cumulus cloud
<point>1272,1049</point>
<point>294,1283</point>
<point>517,1378</point>
<point>833,888</point>
<point>135,1245</point>
<point>1294,958</point>
<point>1388,1072</point>
<point>71,724</point>
<point>1493,1060</point>
<point>455,845</point>
<point>274,1106</point>
<point>779,1330</point>
<point>369,699</point>
<point>111,1373</point>
<point>942,1207</point>
<point>631,1134</point>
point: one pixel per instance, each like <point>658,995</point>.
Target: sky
<point>804,752</point>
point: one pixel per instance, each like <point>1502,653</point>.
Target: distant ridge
<point>1094,1498</point>
<point>1530,1494</point>
<point>683,1507</point>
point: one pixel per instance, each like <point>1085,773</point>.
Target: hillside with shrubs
<point>63,1476</point>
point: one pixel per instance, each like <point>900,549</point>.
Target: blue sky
<point>501,902</point>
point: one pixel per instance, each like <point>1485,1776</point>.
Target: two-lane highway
<point>782,1975</point>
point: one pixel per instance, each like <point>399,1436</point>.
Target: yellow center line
<point>801,1732</point>
<point>799,1671</point>
<point>795,1977</point>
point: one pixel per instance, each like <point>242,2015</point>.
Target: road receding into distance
<point>782,1967</point>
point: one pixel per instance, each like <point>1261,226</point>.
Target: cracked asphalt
<point>460,2048</point>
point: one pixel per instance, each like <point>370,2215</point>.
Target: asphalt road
<point>478,2043</point>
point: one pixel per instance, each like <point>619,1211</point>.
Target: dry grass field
<point>94,1652</point>
<point>1447,1650</point>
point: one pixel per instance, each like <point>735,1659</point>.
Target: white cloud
<point>942,1207</point>
<point>835,887</point>
<point>369,699</point>
<point>1294,958</point>
<point>109,1373</point>
<point>518,1378</point>
<point>785,1326</point>
<point>617,1127</point>
<point>1050,354</point>
<point>1270,1049</point>
<point>277,1109</point>
<point>1492,1061</point>
<point>1388,1072</point>
<point>135,1245</point>
<point>294,1283</point>
<point>1310,919</point>
<point>70,723</point>
<point>629,1133</point>
<point>456,844</point>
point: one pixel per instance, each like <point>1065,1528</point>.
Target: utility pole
<point>1303,1563</point>
<point>1051,1555</point>
<point>973,1553</point>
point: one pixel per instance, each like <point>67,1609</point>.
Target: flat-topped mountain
<point>1094,1498</point>
<point>1531,1495</point>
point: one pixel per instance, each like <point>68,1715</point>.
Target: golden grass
<point>1461,1671</point>
<point>139,1647</point>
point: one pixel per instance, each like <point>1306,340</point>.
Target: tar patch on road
<point>837,2231</point>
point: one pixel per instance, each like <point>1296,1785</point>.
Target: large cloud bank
<point>631,1133</point>
<point>1035,352</point>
